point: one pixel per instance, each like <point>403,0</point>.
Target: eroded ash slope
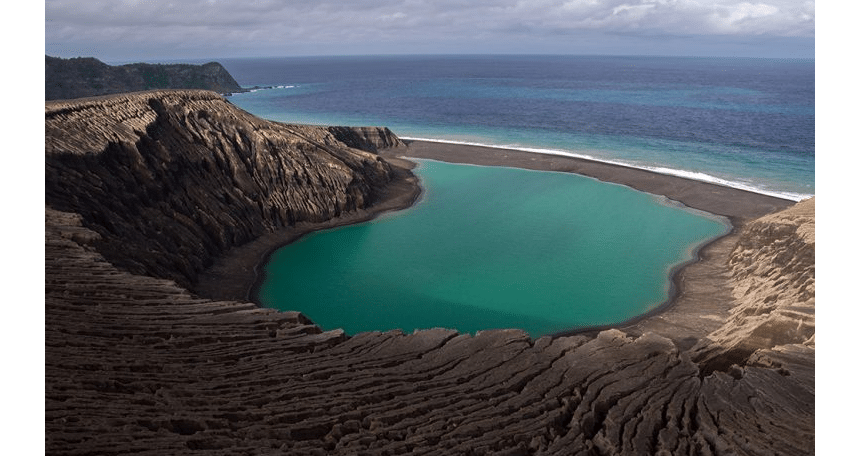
<point>137,364</point>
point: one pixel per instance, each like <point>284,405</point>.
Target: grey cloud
<point>774,17</point>
<point>777,17</point>
<point>273,23</point>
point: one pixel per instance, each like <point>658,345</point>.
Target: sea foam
<point>687,174</point>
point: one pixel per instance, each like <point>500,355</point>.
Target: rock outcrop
<point>137,364</point>
<point>370,139</point>
<point>172,179</point>
<point>87,77</point>
<point>773,269</point>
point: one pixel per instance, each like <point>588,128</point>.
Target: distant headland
<point>88,77</point>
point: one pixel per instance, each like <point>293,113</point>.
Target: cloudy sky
<point>125,30</point>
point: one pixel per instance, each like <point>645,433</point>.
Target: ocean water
<point>501,247</point>
<point>743,122</point>
<point>492,247</point>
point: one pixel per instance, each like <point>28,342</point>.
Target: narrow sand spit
<point>696,285</point>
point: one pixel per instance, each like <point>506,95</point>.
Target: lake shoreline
<point>226,279</point>
<point>237,274</point>
<point>735,204</point>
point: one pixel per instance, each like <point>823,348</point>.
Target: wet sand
<point>737,205</point>
<point>701,297</point>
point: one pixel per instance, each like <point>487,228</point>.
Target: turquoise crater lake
<point>492,247</point>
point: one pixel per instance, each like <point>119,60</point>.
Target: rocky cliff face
<point>169,180</point>
<point>366,138</point>
<point>88,77</point>
<point>136,364</point>
<point>773,282</point>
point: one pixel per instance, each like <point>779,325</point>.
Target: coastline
<point>236,274</point>
<point>692,309</point>
<point>656,169</point>
<point>143,192</point>
<point>733,203</point>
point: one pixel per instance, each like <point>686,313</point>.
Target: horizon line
<point>462,54</point>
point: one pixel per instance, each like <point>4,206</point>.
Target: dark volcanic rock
<point>136,364</point>
<point>366,138</point>
<point>86,77</point>
<point>172,179</point>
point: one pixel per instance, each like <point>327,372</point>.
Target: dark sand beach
<point>737,205</point>
<point>144,191</point>
<point>701,297</point>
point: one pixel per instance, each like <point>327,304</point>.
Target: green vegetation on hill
<point>86,77</point>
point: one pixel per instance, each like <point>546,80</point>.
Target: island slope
<point>144,190</point>
<point>170,180</point>
<point>87,77</point>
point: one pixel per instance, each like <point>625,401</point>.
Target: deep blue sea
<point>743,122</point>
<point>501,247</point>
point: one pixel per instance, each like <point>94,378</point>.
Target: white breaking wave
<point>259,89</point>
<point>703,177</point>
<point>693,175</point>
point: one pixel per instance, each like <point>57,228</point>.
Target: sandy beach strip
<point>735,204</point>
<point>701,293</point>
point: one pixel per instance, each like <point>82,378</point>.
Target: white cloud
<point>773,17</point>
<point>392,17</point>
<point>661,14</point>
<point>269,24</point>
